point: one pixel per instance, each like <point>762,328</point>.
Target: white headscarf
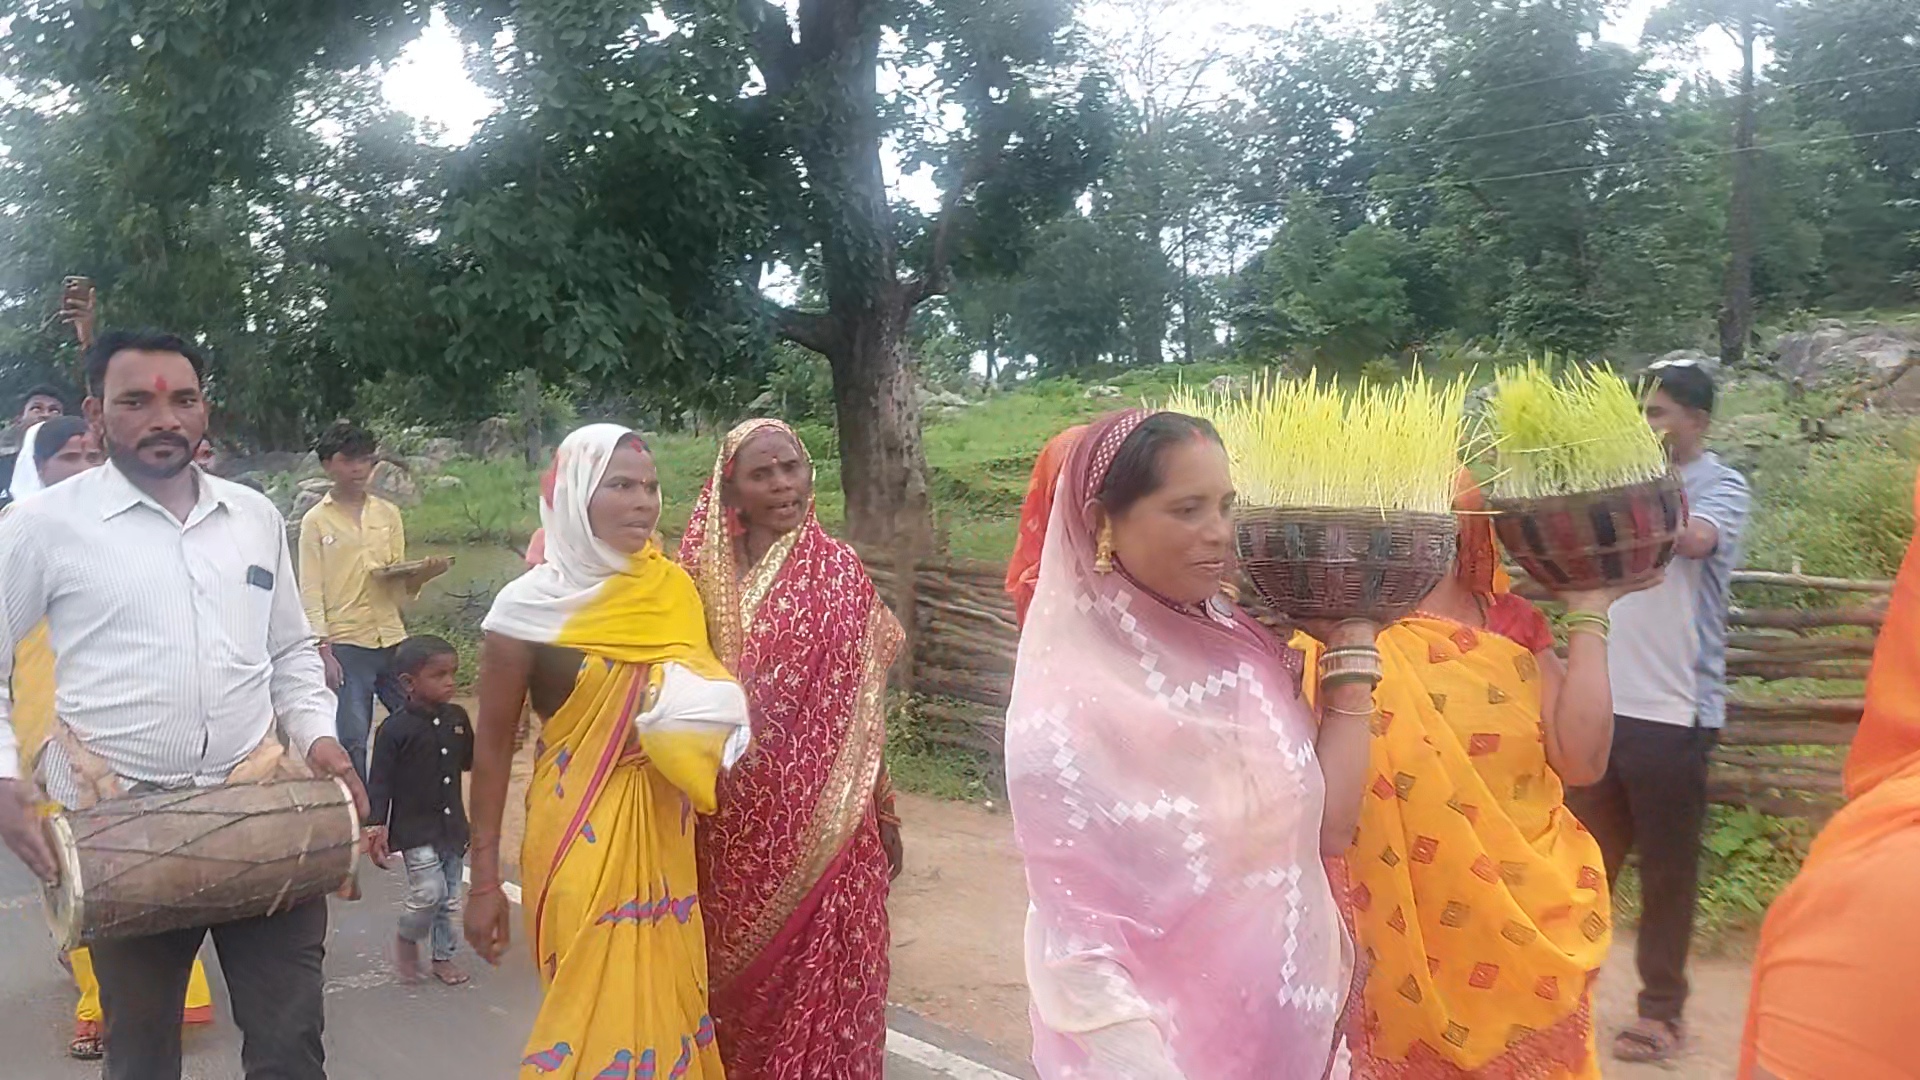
<point>26,467</point>
<point>534,606</point>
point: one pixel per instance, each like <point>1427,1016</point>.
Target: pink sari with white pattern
<point>1167,801</point>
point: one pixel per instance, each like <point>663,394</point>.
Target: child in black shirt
<point>418,757</point>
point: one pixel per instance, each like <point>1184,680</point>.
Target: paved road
<point>376,1028</point>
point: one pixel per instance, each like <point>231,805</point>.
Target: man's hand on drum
<point>326,757</point>
<point>20,827</point>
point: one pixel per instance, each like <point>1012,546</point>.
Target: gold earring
<point>1103,551</point>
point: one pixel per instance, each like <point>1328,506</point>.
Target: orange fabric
<point>1478,562</point>
<point>1889,738</point>
<point>1833,977</point>
<point>1023,570</point>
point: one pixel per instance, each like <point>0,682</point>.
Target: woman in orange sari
<point>794,869</point>
<point>1478,899</point>
<point>1023,569</point>
<point>1833,988</point>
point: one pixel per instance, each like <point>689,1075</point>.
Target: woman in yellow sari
<point>1478,900</point>
<point>609,639</point>
<point>49,453</point>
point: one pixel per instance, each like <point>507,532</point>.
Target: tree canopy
<point>1111,184</point>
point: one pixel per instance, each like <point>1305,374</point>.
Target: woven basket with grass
<point>1321,563</point>
<point>1344,495</point>
<point>1594,539</point>
<point>1584,498</point>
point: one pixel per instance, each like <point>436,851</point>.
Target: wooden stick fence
<point>1776,755</point>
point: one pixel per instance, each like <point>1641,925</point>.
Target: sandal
<point>87,1045</point>
<point>449,973</point>
<point>1649,1041</point>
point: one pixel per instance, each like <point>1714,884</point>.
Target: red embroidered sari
<point>793,876</point>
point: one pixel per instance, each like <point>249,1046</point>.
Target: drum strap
<point>96,780</point>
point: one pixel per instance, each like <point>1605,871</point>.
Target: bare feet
<point>449,972</point>
<point>406,960</point>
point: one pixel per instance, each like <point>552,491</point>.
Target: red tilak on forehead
<point>160,384</point>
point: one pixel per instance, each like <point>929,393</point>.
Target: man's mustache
<point>163,438</point>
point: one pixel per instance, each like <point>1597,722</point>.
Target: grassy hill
<point>1833,493</point>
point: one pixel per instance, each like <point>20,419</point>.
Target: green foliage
<point>1846,510</point>
<point>927,768</point>
<point>1747,858</point>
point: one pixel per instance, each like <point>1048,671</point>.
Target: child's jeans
<point>433,896</point>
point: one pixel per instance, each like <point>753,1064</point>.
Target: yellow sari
<point>33,718</point>
<point>1477,898</point>
<point>623,766</point>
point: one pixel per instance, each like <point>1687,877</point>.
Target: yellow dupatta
<point>1477,896</point>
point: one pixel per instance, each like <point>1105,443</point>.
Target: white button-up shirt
<point>177,644</point>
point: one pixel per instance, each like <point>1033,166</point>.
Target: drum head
<point>65,899</point>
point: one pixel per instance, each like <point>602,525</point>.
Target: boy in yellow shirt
<point>348,543</point>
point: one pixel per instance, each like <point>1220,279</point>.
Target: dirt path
<point>959,909</point>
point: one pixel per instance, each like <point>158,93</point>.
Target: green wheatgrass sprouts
<point>1584,432</point>
<point>1308,443</point>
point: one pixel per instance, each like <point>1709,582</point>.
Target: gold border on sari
<point>844,798</point>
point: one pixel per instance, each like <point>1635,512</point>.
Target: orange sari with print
<point>1477,898</point>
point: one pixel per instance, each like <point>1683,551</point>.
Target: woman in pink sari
<point>794,869</point>
<point>1172,794</point>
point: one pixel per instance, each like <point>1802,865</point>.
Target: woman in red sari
<point>794,869</point>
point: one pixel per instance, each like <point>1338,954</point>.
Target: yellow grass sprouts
<point>1584,432</point>
<point>1308,443</point>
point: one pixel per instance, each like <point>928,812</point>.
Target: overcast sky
<point>431,83</point>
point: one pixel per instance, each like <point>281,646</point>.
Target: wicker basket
<point>1595,539</point>
<point>1324,563</point>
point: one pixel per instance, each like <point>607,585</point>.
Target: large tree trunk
<point>1736,311</point>
<point>883,470</point>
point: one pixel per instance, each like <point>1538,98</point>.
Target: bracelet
<point>1588,622</point>
<point>477,889</point>
<point>1337,711</point>
<point>1353,663</point>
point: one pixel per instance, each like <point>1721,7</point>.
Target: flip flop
<point>447,973</point>
<point>1648,1041</point>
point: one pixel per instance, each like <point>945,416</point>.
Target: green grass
<point>925,768</point>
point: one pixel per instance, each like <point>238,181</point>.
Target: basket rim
<point>1382,513</point>
<point>1667,481</point>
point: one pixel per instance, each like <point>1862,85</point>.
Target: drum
<point>145,864</point>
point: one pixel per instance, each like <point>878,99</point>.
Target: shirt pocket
<point>238,586</point>
<point>382,542</point>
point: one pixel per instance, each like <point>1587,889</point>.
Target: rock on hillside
<point>1833,351</point>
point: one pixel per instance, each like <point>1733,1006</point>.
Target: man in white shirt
<point>181,646</point>
<point>1667,657</point>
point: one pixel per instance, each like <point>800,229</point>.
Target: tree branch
<point>772,45</point>
<point>937,277</point>
<point>813,330</point>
